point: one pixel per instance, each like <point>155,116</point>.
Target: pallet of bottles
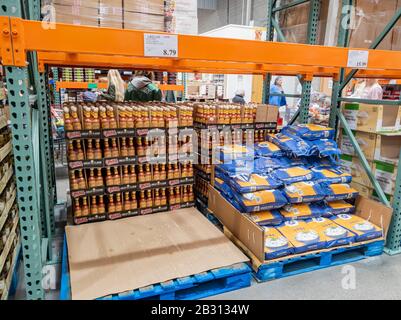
<point>116,205</point>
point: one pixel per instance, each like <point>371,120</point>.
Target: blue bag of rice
<point>339,191</point>
<point>334,208</point>
<point>223,187</point>
<point>315,161</point>
<point>267,149</point>
<point>301,211</point>
<point>227,154</point>
<point>304,191</point>
<point>260,200</point>
<point>309,131</point>
<point>323,174</point>
<point>293,174</point>
<point>324,148</point>
<point>236,167</point>
<point>244,183</point>
<point>292,145</point>
<point>266,165</point>
<point>265,218</point>
<point>364,230</point>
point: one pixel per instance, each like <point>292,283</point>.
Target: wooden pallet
<point>309,261</point>
<point>196,286</point>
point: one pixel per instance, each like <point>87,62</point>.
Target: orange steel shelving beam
<point>92,46</point>
<point>101,85</point>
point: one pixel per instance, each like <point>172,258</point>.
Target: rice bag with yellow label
<point>333,234</point>
<point>331,175</point>
<point>244,183</point>
<point>267,149</point>
<point>267,165</point>
<point>324,148</point>
<point>309,131</point>
<point>302,236</point>
<point>236,167</point>
<point>291,145</point>
<point>276,245</point>
<point>301,211</point>
<point>363,229</point>
<point>223,187</point>
<point>264,218</point>
<point>339,191</point>
<point>260,200</point>
<point>227,154</point>
<point>333,208</point>
<point>293,174</point>
<point>305,191</point>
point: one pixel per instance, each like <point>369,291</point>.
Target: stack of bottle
<point>118,168</point>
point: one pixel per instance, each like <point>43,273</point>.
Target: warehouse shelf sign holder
<point>25,40</point>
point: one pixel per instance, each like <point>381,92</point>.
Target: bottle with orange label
<point>101,209</point>
<point>176,171</point>
<point>90,153</point>
<point>85,207</point>
<point>148,173</point>
<point>190,193</point>
<point>171,196</point>
<point>95,118</point>
<point>149,199</point>
<point>76,123</point>
<point>111,203</point>
<point>184,170</point>
<point>141,174</point>
<point>94,208</point>
<point>77,208</point>
<point>87,118</point>
<point>163,197</point>
<point>134,202</point>
<point>130,117</point>
<point>97,150</point>
<point>119,204</point>
<point>122,117</point>
<point>131,147</point>
<point>127,202</point>
<point>109,177</point>
<point>163,174</point>
<point>111,117</point>
<point>104,120</point>
<point>156,173</point>
<point>73,181</point>
<point>114,148</point>
<point>92,180</point>
<point>185,195</point>
<point>142,200</point>
<point>72,156</point>
<point>140,148</point>
<point>132,174</point>
<point>125,178</point>
<point>80,151</point>
<point>116,176</point>
<point>157,199</point>
<point>68,123</point>
<point>81,180</point>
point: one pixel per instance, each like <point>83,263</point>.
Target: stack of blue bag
<point>292,176</point>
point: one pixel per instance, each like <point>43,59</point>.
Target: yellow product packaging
<point>260,200</point>
<point>303,237</point>
<point>306,191</point>
<point>276,245</point>
<point>340,191</point>
<point>266,217</point>
<point>363,229</point>
<point>301,211</point>
<point>338,207</point>
<point>333,234</point>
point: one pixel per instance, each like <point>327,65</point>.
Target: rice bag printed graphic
<point>333,234</point>
<point>339,191</point>
<point>264,218</point>
<point>292,145</point>
<point>309,131</point>
<point>233,202</point>
<point>363,229</point>
<point>266,165</point>
<point>324,148</point>
<point>330,175</point>
<point>227,154</point>
<point>260,200</point>
<point>315,161</point>
<point>223,175</point>
<point>333,208</point>
<point>267,149</point>
<point>244,183</point>
<point>223,187</point>
<point>301,211</point>
<point>276,245</point>
<point>302,236</point>
<point>236,167</point>
<point>304,191</point>
<point>293,174</point>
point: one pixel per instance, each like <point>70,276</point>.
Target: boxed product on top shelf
<point>298,191</point>
<point>220,113</point>
<point>372,118</point>
<point>111,13</point>
<point>366,141</point>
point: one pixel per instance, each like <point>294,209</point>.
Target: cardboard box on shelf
<point>353,166</point>
<point>366,140</point>
<point>252,236</point>
<point>372,118</point>
<point>143,21</point>
<point>386,175</point>
<point>375,197</point>
<point>266,113</point>
<point>150,6</point>
<point>363,190</point>
<point>78,3</point>
<point>388,148</point>
<point>77,15</point>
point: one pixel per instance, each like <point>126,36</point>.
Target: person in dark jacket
<point>141,88</point>
<point>239,97</point>
<point>115,87</point>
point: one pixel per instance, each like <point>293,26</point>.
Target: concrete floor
<point>374,278</point>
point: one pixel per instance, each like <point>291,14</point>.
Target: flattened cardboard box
<point>116,256</point>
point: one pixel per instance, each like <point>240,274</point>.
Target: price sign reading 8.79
<point>160,45</point>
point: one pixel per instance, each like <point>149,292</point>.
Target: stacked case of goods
<point>126,159</point>
<point>9,230</point>
<point>293,187</point>
<point>377,130</point>
<point>217,124</point>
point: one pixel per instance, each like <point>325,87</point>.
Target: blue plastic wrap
<point>309,131</point>
<point>244,183</point>
<point>293,174</point>
<point>330,175</point>
<point>267,149</point>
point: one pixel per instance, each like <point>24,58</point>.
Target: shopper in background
<point>277,88</point>
<point>372,90</point>
<point>115,87</point>
<point>239,96</point>
<point>358,88</point>
<point>141,88</point>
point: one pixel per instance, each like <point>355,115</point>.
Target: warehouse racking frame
<point>23,39</point>
<point>341,80</point>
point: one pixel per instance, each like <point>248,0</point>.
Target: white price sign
<point>358,59</point>
<point>161,45</point>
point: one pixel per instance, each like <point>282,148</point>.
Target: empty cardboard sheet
<point>116,256</point>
